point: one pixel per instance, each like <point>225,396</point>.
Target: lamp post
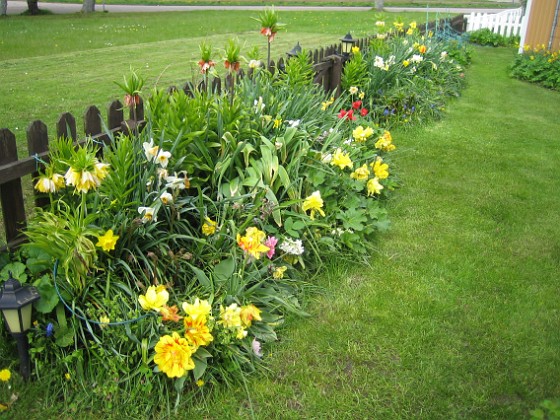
<point>294,51</point>
<point>16,304</point>
<point>347,43</point>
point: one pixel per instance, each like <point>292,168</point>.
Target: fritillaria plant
<point>269,27</point>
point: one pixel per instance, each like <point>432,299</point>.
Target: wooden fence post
<point>92,121</point>
<point>38,142</point>
<point>11,193</point>
<point>66,126</point>
<point>336,75</point>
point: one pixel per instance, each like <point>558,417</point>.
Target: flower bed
<point>178,254</point>
<point>538,65</point>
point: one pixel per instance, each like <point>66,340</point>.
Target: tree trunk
<point>88,6</point>
<point>379,5</point>
<point>32,7</point>
<point>3,7</point>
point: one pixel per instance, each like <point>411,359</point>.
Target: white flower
<point>148,214</point>
<point>163,158</point>
<point>292,246</point>
<point>258,104</point>
<point>380,23</point>
<point>176,182</point>
<point>294,123</point>
<point>150,150</point>
<point>416,58</point>
<point>326,158</point>
<point>379,62</point>
<point>254,64</point>
<point>443,55</point>
<point>381,36</point>
<point>353,90</point>
<point>256,346</point>
<point>166,198</point>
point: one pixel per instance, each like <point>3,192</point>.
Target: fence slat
<point>38,142</point>
<point>11,193</point>
<point>66,126</point>
<point>92,121</point>
<point>115,115</point>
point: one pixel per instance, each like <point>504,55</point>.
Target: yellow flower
<point>326,104</point>
<point>170,313</point>
<point>107,241</point>
<point>413,24</point>
<point>3,407</point>
<point>277,122</point>
<point>5,375</point>
<point>241,333</point>
<point>361,95</point>
<point>422,49</point>
<point>155,298</point>
<point>197,332</point>
<point>385,142</point>
<point>399,26</point>
<point>355,49</point>
<point>199,383</point>
<point>341,159</point>
<point>230,317</point>
<point>51,184</point>
<point>279,272</point>
<point>209,226</point>
<point>410,31</point>
<point>314,203</point>
<point>252,242</point>
<point>380,169</point>
<point>148,214</point>
<point>199,309</point>
<point>361,173</point>
<point>360,134</point>
<point>373,186</point>
<point>67,376</point>
<point>173,355</point>
<point>250,313</point>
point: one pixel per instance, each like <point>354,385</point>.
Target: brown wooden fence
<point>327,64</point>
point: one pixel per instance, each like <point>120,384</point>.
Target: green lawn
<point>458,316</point>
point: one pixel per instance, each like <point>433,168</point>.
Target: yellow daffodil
<point>355,49</point>
<point>230,317</point>
<point>279,272</point>
<point>249,313</point>
<point>361,134</point>
<point>209,226</point>
<point>198,309</point>
<point>374,187</point>
<point>385,142</point>
<point>173,355</point>
<point>253,242</point>
<point>155,298</point>
<point>107,241</point>
<point>341,159</point>
<point>197,332</point>
<point>380,169</point>
<point>277,122</point>
<point>353,90</point>
<point>361,95</point>
<point>148,214</point>
<point>406,63</point>
<point>361,173</point>
<point>314,203</point>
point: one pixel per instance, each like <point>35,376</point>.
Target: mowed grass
<point>459,315</point>
<point>55,64</point>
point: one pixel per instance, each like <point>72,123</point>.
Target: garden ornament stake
<point>16,304</point>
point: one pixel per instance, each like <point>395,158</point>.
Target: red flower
<point>356,104</point>
<point>350,115</point>
<point>205,65</point>
<point>364,112</point>
<point>268,33</point>
<point>234,66</point>
<point>342,113</point>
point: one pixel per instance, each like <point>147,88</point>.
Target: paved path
<point>16,7</point>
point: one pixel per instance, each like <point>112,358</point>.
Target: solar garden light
<point>347,44</point>
<point>294,51</point>
<point>16,304</point>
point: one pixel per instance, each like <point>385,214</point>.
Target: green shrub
<point>485,37</point>
<point>538,66</point>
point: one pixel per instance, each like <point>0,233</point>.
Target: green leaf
<point>199,367</point>
<point>224,270</point>
<point>64,336</point>
<point>49,297</point>
<point>202,278</point>
<point>17,269</point>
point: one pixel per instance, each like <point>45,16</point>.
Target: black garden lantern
<point>16,306</point>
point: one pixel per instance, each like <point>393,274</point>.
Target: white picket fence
<point>506,23</point>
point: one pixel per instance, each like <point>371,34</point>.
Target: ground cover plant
<point>538,65</point>
<point>486,37</point>
<point>188,243</point>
